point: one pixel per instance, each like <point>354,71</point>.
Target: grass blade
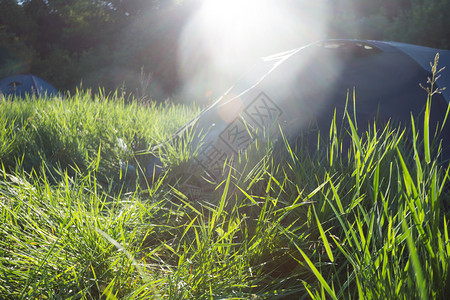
<point>324,237</point>
<point>317,274</point>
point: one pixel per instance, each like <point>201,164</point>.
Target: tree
<point>108,42</point>
<point>16,31</point>
<point>426,23</point>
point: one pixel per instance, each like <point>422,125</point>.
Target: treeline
<point>423,22</point>
<point>118,43</point>
<point>93,42</point>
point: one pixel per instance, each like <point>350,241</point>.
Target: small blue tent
<point>23,84</point>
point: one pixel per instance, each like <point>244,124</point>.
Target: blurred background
<point>190,50</point>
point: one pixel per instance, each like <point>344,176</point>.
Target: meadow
<point>367,221</point>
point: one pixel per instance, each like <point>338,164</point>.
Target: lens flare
<point>225,37</point>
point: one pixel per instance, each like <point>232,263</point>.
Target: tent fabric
<point>424,56</point>
<point>304,86</point>
<point>26,84</point>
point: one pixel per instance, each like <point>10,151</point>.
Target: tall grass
<point>363,221</point>
<point>67,133</point>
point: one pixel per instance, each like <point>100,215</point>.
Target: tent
<point>304,86</point>
<point>23,84</point>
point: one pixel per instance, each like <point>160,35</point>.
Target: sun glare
<point>231,15</point>
<point>225,37</point>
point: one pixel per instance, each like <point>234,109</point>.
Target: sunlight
<point>236,29</point>
<point>233,16</point>
<point>225,37</point>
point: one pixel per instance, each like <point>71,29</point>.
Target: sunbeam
<point>225,37</point>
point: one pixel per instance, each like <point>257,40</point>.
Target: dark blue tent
<point>23,84</point>
<point>302,87</point>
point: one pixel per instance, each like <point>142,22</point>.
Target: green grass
<point>367,221</point>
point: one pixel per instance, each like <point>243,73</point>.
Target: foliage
<point>426,22</point>
<point>107,43</point>
<point>70,40</point>
<point>423,22</point>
